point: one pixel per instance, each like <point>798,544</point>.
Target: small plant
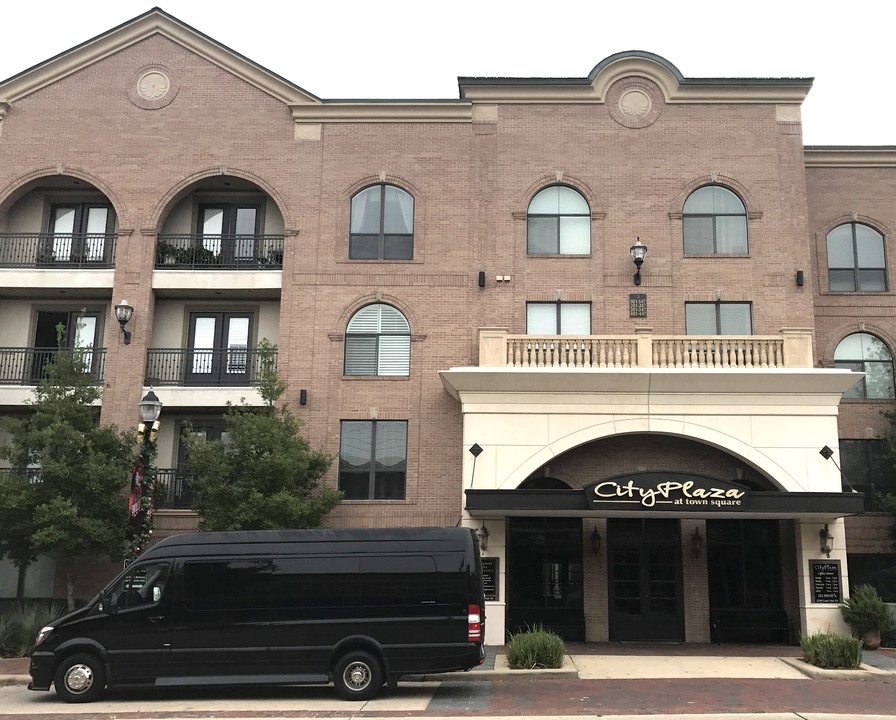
<point>20,623</point>
<point>865,612</point>
<point>535,648</point>
<point>832,651</point>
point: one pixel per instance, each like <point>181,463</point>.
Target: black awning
<point>575,503</point>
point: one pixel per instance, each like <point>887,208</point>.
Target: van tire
<point>358,676</point>
<point>80,678</point>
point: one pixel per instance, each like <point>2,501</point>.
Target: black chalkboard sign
<point>825,581</point>
<point>490,577</point>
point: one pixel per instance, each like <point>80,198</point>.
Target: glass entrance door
<point>644,557</point>
<point>545,576</point>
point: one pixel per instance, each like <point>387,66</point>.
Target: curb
<point>863,672</point>
<point>14,680</point>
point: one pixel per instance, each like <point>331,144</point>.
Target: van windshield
<point>142,586</point>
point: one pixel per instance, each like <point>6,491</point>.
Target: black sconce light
<point>638,251</point>
<point>826,540</point>
<point>303,397</point>
<point>482,278</point>
<point>697,543</point>
<point>595,542</point>
<point>124,313</point>
<point>800,278</point>
<point>482,533</point>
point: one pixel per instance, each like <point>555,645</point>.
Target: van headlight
<point>43,634</point>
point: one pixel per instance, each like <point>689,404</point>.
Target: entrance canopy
<point>664,494</point>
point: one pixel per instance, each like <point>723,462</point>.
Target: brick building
<point>451,288</point>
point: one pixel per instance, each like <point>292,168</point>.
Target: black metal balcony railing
<point>47,250</point>
<point>31,474</point>
<point>237,365</point>
<point>172,489</point>
<point>27,365</point>
<point>219,252</point>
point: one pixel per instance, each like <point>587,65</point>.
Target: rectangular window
<point>373,459</point>
<point>864,469</point>
<point>878,570</point>
<point>558,318</point>
<point>718,318</point>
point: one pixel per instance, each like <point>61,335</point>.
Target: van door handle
<point>156,618</point>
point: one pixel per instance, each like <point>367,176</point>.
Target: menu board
<point>490,577</point>
<point>825,581</point>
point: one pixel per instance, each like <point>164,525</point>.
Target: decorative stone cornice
<point>818,156</point>
<point>360,111</point>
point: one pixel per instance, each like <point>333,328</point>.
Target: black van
<point>358,608</point>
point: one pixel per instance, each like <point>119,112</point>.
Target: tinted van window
<point>226,585</point>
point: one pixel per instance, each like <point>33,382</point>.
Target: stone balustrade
<point>791,348</point>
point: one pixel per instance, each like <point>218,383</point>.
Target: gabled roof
<point>153,22</point>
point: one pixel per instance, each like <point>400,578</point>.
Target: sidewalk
<point>616,661</point>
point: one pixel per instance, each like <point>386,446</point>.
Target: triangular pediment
<point>153,22</point>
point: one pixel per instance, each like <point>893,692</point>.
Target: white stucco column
<point>821,616</point>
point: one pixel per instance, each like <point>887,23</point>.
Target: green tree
<point>72,506</point>
<point>264,475</point>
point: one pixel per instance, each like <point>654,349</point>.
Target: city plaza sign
<point>666,491</point>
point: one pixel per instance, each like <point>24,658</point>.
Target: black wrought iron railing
<point>47,250</point>
<point>27,365</point>
<point>219,252</point>
<point>236,365</point>
<point>31,474</point>
<point>172,489</point>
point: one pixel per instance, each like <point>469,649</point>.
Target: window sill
<point>376,377</point>
<point>716,256</point>
<point>368,501</point>
<point>554,256</point>
<point>853,293</point>
<point>378,261</point>
<point>868,401</point>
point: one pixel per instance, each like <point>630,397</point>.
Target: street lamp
<point>143,474</point>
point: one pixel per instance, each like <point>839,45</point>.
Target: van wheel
<point>80,678</point>
<point>358,676</point>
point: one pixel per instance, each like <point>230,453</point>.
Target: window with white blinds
<point>378,342</point>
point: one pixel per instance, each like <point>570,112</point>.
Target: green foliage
<point>20,623</point>
<point>535,648</point>
<point>832,651</point>
<point>265,475</point>
<point>864,611</point>
<point>72,506</point>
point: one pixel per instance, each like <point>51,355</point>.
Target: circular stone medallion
<point>152,87</point>
<point>634,102</point>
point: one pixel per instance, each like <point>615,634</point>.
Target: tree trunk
<point>69,587</point>
<point>20,582</point>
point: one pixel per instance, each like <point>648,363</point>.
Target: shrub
<point>535,648</point>
<point>20,623</point>
<point>829,650</point>
<point>864,611</point>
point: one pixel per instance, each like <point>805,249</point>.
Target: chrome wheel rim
<point>356,676</point>
<point>79,678</point>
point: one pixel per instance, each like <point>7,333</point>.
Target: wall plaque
<point>825,581</point>
<point>490,577</point>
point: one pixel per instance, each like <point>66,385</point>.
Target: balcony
<point>219,252</point>
<point>791,348</point>
<point>172,490</point>
<point>27,365</point>
<point>54,250</point>
<point>235,366</point>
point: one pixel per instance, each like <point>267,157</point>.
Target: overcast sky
<point>399,50</point>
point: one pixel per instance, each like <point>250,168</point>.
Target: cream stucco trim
<point>369,112</point>
<point>857,157</point>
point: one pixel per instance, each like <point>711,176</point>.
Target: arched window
<point>715,222</point>
<point>856,258</point>
<point>558,223</point>
<point>378,342</point>
<point>869,354</point>
<point>382,224</point>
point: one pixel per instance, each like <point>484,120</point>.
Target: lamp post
<point>143,475</point>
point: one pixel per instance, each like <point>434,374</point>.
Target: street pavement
<point>602,680</point>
